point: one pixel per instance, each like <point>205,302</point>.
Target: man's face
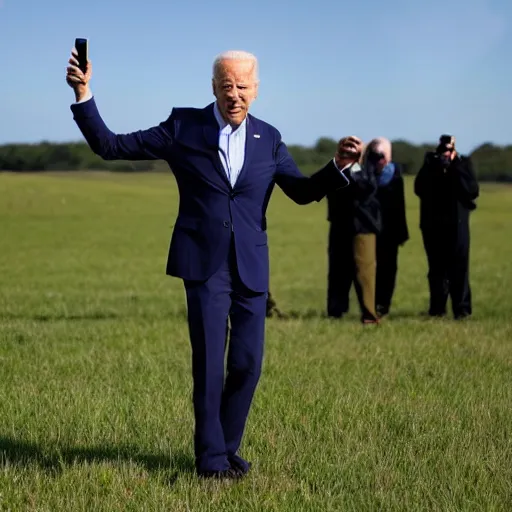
<point>378,156</point>
<point>235,88</point>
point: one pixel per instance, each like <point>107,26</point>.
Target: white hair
<point>234,55</point>
<point>382,145</point>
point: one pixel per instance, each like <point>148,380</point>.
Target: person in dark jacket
<point>447,188</point>
<point>354,217</point>
<point>394,231</point>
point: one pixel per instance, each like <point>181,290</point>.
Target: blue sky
<point>327,68</point>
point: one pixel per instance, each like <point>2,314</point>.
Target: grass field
<point>95,403</point>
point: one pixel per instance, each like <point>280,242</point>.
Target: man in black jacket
<point>447,188</point>
<point>354,216</point>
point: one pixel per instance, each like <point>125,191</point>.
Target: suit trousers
<point>223,309</point>
<point>448,270</point>
<point>341,270</point>
<point>387,266</point>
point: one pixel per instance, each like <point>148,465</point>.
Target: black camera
<point>446,143</point>
<point>445,140</point>
<point>375,156</point>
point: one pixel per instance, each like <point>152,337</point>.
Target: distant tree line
<point>492,163</point>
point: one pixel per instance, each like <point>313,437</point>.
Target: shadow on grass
<point>420,315</point>
<point>295,314</point>
<point>144,315</point>
<point>95,316</point>
<point>395,315</point>
<point>54,459</point>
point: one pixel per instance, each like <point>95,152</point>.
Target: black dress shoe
<point>335,315</point>
<point>225,474</point>
<point>436,314</point>
<point>241,466</point>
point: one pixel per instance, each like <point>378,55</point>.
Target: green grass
<point>95,403</point>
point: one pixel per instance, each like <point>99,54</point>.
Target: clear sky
<point>396,68</point>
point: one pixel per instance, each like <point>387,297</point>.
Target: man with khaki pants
<point>354,217</point>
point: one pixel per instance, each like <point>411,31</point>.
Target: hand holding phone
<point>79,70</point>
<point>81,47</point>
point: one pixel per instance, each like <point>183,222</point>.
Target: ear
<point>214,88</point>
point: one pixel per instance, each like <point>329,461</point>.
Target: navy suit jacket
<point>211,211</point>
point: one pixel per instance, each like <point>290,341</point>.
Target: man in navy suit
<point>226,163</point>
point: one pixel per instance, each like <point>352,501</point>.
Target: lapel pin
<point>256,136</point>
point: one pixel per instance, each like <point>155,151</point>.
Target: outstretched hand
<point>349,150</point>
<point>76,78</point>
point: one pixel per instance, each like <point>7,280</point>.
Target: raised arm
<point>302,189</point>
<point>151,144</point>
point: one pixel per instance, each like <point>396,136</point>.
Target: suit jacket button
<point>226,224</point>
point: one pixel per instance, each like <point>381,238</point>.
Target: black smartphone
<point>81,46</point>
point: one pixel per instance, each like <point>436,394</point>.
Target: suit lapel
<point>250,143</point>
<point>211,137</point>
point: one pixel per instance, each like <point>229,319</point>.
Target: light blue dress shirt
<point>231,146</point>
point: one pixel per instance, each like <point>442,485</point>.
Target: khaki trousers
<point>365,257</point>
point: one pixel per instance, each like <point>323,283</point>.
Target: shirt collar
<point>353,166</point>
